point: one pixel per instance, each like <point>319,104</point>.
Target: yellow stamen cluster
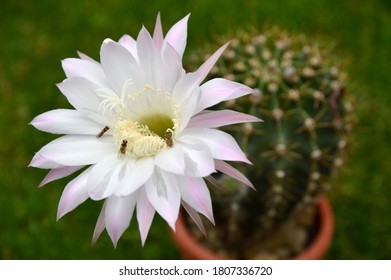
<point>141,142</point>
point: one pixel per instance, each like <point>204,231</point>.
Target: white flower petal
<point>150,60</point>
<point>194,215</point>
<point>163,193</point>
<point>73,150</point>
<point>186,94</point>
<point>218,90</point>
<point>177,35</point>
<point>205,68</point>
<point>198,157</point>
<point>130,44</point>
<point>75,67</point>
<point>222,145</point>
<point>41,162</point>
<point>136,174</point>
<point>171,160</point>
<point>172,68</point>
<point>66,121</point>
<point>145,214</point>
<point>158,33</point>
<point>104,178</point>
<point>195,193</point>
<point>186,87</point>
<point>214,119</point>
<point>118,213</point>
<point>119,64</point>
<point>100,224</point>
<point>189,82</point>
<point>81,93</point>
<point>86,57</point>
<point>232,172</point>
<point>74,194</point>
<point>59,173</point>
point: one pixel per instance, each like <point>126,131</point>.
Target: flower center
<point>143,138</point>
<point>144,120</point>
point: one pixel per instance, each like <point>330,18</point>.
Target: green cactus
<point>303,140</point>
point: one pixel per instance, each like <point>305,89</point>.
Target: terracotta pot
<point>191,249</point>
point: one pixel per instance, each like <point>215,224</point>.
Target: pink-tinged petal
<point>100,224</point>
<point>59,173</point>
<point>136,174</point>
<point>218,90</point>
<point>74,194</point>
<point>198,158</point>
<point>158,33</point>
<point>195,193</point>
<point>188,105</point>
<point>171,160</point>
<point>118,64</point>
<point>216,183</point>
<point>145,214</point>
<point>163,193</point>
<point>81,93</point>
<point>177,35</point>
<point>130,44</point>
<point>66,121</point>
<point>215,119</point>
<point>222,145</point>
<point>194,215</point>
<point>118,213</point>
<point>150,60</point>
<point>104,178</point>
<point>75,67</point>
<point>191,81</point>
<point>187,92</point>
<point>173,70</point>
<point>39,161</point>
<point>86,57</point>
<point>232,172</point>
<point>205,68</point>
<point>74,150</point>
<point>187,85</point>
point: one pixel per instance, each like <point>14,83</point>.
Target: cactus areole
<point>303,100</point>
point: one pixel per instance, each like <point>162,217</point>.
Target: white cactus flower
<point>141,130</point>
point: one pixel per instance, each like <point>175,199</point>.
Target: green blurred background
<point>36,35</point>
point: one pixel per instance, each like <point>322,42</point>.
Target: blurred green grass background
<point>36,35</point>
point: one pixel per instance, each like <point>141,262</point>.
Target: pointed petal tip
<point>61,211</point>
<point>94,239</point>
<point>60,85</point>
<point>34,160</point>
<point>172,226</point>
<point>59,216</point>
<point>114,236</point>
<point>143,240</point>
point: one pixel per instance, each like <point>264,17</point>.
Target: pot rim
<point>192,249</point>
